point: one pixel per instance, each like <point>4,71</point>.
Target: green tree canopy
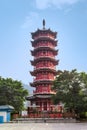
<point>71,89</point>
<point>12,93</point>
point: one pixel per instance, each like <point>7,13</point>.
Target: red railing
<point>43,35</point>
<point>44,45</point>
<point>46,56</point>
<point>42,92</point>
<point>48,115</point>
<point>42,66</point>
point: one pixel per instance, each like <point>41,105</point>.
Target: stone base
<point>44,120</point>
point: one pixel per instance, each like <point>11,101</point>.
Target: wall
<point>4,114</point>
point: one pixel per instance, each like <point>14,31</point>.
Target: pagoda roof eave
<point>33,73</point>
<point>45,48</point>
<point>34,84</point>
<point>33,53</point>
<point>42,96</point>
<point>30,97</point>
<point>44,38</point>
<point>54,42</point>
<point>43,30</point>
<point>44,58</point>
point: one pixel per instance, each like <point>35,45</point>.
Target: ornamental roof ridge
<point>43,30</point>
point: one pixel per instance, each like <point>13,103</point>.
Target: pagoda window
<point>36,103</point>
<point>39,64</point>
<point>44,63</point>
<point>44,86</point>
<point>49,64</point>
<point>39,44</point>
<point>41,53</point>
<point>44,53</point>
<point>35,45</point>
<point>45,41</point>
<point>38,52</point>
<point>40,104</point>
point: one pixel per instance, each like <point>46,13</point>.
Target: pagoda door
<point>45,106</point>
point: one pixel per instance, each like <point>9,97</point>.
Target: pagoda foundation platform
<point>44,120</point>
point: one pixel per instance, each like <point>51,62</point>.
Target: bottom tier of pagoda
<point>41,106</point>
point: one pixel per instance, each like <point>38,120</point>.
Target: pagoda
<point>44,63</point>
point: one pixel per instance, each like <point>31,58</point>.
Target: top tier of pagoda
<point>44,32</point>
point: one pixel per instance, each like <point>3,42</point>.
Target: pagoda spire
<point>43,23</point>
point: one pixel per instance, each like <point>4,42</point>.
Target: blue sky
<point>18,18</point>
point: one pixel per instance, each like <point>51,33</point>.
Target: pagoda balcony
<point>53,60</point>
<point>48,43</point>
<point>48,52</point>
<point>43,92</point>
<point>45,67</point>
<point>44,36</point>
<point>46,79</point>
<point>45,56</point>
<point>50,46</point>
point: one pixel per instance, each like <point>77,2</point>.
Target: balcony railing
<point>44,36</point>
<point>46,56</point>
<point>46,45</point>
<point>43,92</point>
<point>38,79</point>
<point>46,67</point>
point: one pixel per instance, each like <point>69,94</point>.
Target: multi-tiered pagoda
<point>44,63</point>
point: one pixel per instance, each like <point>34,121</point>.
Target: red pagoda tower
<point>44,52</point>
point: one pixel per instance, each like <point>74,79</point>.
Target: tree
<point>71,89</point>
<point>12,93</point>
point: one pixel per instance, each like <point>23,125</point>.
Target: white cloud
<point>43,4</point>
<point>30,20</point>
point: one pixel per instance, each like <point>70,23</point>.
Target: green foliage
<point>71,89</point>
<point>12,93</point>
